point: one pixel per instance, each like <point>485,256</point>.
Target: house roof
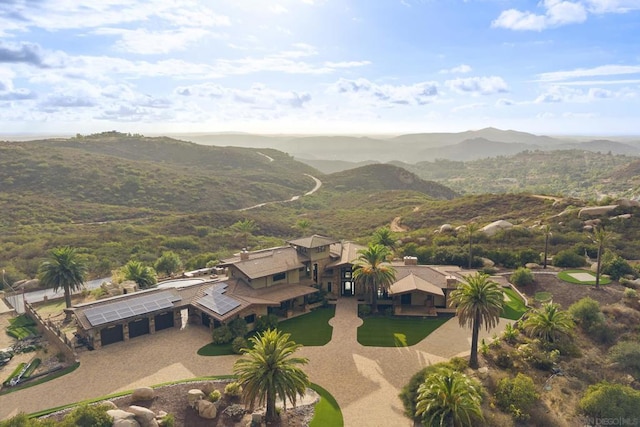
<point>278,260</point>
<point>346,252</point>
<point>411,283</point>
<point>315,241</point>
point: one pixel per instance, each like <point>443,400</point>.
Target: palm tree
<point>245,228</point>
<point>382,236</point>
<point>471,229</point>
<point>549,324</point>
<point>268,370</point>
<point>63,270</point>
<point>371,270</point>
<point>303,225</point>
<point>478,301</point>
<point>144,276</point>
<point>547,233</point>
<point>449,398</point>
<point>601,238</point>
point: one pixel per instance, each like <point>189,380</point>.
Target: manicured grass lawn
<point>327,411</point>
<point>513,307</point>
<point>565,275</point>
<point>311,329</point>
<point>543,297</point>
<point>397,331</point>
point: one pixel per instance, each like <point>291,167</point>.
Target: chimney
<point>244,254</point>
<point>452,282</point>
<point>410,260</point>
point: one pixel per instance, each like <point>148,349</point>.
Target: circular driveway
<point>364,380</point>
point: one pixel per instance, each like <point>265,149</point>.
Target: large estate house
<point>284,280</point>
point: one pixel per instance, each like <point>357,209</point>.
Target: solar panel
<point>125,308</point>
<point>215,300</point>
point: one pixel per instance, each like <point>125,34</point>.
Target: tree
<point>65,270</point>
<point>382,236</point>
<point>449,398</point>
<point>470,230</point>
<point>600,237</point>
<point>145,277</point>
<point>303,225</point>
<point>478,301</point>
<point>245,229</point>
<point>549,324</point>
<point>269,370</point>
<point>371,270</point>
<point>168,263</point>
<point>547,233</point>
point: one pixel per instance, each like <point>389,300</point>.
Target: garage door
<point>138,327</point>
<point>111,334</point>
<point>164,321</point>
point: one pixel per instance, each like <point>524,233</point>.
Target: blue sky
<point>320,66</point>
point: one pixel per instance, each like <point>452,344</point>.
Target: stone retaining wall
<point>54,336</point>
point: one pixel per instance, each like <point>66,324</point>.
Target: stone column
<point>152,324</point>
<point>125,331</point>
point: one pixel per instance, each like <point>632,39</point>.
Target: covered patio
<point>415,296</point>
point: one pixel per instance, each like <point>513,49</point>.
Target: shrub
<point>238,327</point>
<point>602,333</point>
<point>627,355</point>
<point>269,321</point>
<point>568,259</point>
<point>238,344</point>
<point>586,312</point>
<point>168,421</point>
<point>233,389</point>
<point>613,401</point>
<point>510,333</point>
<point>222,335</point>
<point>522,277</point>
<point>526,256</point>
<point>516,395</point>
<point>615,266</point>
<point>235,411</point>
<point>89,416</point>
<point>503,360</point>
<point>630,293</point>
<point>214,396</point>
<point>364,310</point>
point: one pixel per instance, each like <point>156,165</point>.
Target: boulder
<point>445,228</point>
<point>123,418</point>
<point>145,417</point>
<point>532,266</point>
<point>207,409</point>
<point>193,396</point>
<point>109,404</point>
<point>142,393</point>
<point>486,262</point>
<point>596,210</point>
<point>494,227</point>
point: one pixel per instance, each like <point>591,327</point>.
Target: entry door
<point>348,289</point>
<point>405,299</point>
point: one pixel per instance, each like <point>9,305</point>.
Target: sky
<point>319,66</point>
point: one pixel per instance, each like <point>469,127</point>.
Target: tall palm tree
<point>144,276</point>
<point>268,370</point>
<point>64,269</point>
<point>449,398</point>
<point>245,228</point>
<point>478,301</point>
<point>382,236</point>
<point>303,225</point>
<point>471,229</point>
<point>371,270</point>
<point>549,324</point>
<point>601,238</point>
<point>547,233</point>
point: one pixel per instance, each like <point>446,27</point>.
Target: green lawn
<point>565,275</point>
<point>543,297</point>
<point>311,329</point>
<point>327,411</point>
<point>514,307</point>
<point>397,331</point>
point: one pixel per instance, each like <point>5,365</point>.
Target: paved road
<point>364,380</point>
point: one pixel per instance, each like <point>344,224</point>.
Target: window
<point>329,287</point>
<point>346,274</point>
<point>279,276</point>
<point>250,318</point>
<point>321,249</point>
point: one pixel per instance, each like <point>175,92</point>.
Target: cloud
<point>603,70</point>
<point>416,94</point>
<point>25,53</point>
<point>556,13</point>
<point>478,85</point>
<point>16,95</point>
<point>504,102</point>
<point>612,6</point>
<point>473,106</point>
<point>278,9</point>
<point>460,69</point>
<point>558,93</point>
<point>142,41</point>
<point>347,64</point>
<point>257,96</point>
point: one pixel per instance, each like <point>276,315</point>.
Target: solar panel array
<point>215,300</point>
<point>119,310</point>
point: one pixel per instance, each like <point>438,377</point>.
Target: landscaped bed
<point>582,277</point>
<point>22,327</point>
<point>383,331</point>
